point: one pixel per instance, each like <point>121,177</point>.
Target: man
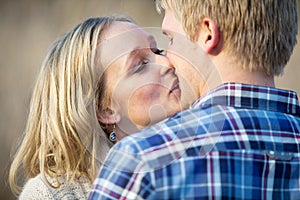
<point>241,139</point>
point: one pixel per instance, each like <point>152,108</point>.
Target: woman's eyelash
<point>159,51</point>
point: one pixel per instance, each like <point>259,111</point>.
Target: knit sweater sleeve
<point>36,189</point>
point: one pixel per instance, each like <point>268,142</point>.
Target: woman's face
<point>143,85</point>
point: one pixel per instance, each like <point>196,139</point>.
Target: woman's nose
<point>165,65</point>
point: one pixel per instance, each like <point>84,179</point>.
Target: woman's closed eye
<point>141,66</point>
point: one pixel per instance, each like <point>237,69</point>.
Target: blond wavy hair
<point>63,135</point>
<point>261,34</point>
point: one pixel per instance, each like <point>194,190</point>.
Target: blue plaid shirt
<point>237,142</point>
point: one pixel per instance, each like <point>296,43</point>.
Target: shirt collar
<point>251,97</point>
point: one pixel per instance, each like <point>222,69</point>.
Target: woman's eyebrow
<point>152,41</point>
<point>132,55</point>
<point>137,50</point>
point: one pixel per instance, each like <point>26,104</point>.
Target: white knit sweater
<point>37,188</point>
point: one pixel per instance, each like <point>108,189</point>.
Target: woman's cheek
<point>140,104</point>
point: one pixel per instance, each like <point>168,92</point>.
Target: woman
<point>107,73</point>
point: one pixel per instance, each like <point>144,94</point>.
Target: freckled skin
<point>142,86</point>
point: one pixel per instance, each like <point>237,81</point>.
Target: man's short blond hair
<point>260,33</point>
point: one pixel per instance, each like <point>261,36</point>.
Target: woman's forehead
<point>120,39</point>
<point>120,29</point>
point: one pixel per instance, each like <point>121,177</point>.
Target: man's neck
<point>246,77</point>
<point>224,69</point>
<point>231,71</point>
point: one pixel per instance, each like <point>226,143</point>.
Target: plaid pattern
<point>237,142</point>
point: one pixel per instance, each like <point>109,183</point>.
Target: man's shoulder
<point>181,126</point>
<point>164,141</point>
<point>161,132</point>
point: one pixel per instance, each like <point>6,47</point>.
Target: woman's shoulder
<point>38,188</point>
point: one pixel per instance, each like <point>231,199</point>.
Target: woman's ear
<point>107,116</point>
<point>209,36</point>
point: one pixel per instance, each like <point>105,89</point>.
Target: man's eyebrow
<point>167,33</point>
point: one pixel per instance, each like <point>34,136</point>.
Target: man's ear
<point>107,116</point>
<point>209,36</point>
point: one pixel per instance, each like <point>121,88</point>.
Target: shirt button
<point>284,156</point>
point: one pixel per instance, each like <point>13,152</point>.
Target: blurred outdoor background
<point>28,27</point>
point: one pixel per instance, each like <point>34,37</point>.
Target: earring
<point>113,135</point>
